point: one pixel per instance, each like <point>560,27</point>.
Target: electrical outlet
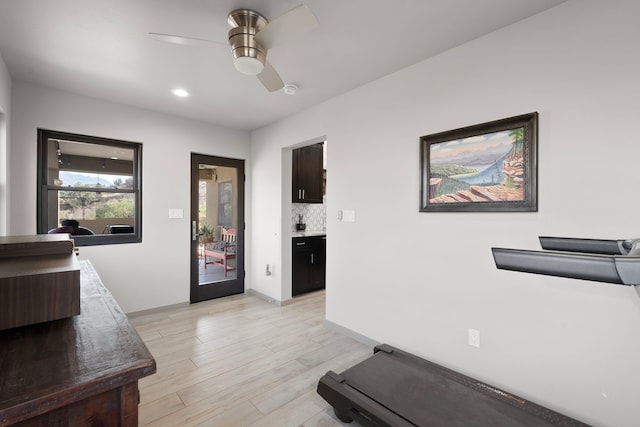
<point>474,338</point>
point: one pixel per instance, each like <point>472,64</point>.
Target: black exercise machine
<point>607,261</point>
<point>393,388</point>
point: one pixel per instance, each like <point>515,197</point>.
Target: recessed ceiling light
<point>180,93</point>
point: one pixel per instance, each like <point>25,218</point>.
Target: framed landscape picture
<point>489,167</point>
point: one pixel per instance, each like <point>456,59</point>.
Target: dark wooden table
<point>79,371</point>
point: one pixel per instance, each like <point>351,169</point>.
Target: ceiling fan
<point>252,35</point>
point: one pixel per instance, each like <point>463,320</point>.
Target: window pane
<point>98,212</point>
<point>89,187</point>
<point>80,164</point>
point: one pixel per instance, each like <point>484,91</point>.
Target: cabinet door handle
<point>301,243</point>
<point>194,231</point>
<point>299,193</point>
<point>303,194</point>
<point>311,257</point>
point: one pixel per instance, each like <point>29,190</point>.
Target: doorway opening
<point>304,218</point>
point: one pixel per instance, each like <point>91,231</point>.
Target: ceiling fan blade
<point>287,27</point>
<point>270,79</point>
<point>185,41</point>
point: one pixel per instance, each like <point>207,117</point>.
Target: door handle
<point>194,230</point>
<point>311,257</point>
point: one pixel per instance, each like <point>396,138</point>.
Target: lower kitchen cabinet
<point>309,263</point>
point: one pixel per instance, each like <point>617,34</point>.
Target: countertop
<point>308,233</point>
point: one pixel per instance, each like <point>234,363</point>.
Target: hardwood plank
<point>224,398</point>
<point>256,366</point>
<point>325,418</point>
<point>241,361</point>
<point>168,379</point>
<point>240,415</point>
<point>307,381</point>
<point>159,408</point>
<point>293,413</point>
<point>333,348</point>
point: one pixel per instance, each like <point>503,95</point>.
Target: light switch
<point>176,213</point>
<point>348,216</point>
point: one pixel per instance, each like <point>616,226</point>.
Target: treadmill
<point>606,261</point>
<point>393,388</point>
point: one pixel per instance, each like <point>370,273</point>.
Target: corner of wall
<point>5,108</point>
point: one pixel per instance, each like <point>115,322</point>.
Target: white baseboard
<point>157,309</point>
<point>267,298</point>
<point>351,334</point>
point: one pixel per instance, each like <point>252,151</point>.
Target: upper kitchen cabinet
<point>307,174</point>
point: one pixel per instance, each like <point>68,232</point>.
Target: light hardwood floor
<point>241,361</point>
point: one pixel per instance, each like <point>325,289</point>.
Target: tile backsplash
<point>313,214</point>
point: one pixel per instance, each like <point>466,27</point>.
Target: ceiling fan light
<point>248,65</point>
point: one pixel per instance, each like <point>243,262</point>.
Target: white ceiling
<point>100,48</point>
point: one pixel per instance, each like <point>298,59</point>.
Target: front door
<point>217,227</point>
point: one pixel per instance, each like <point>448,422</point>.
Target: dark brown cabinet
<point>307,174</point>
<point>77,371</point>
<point>309,262</point>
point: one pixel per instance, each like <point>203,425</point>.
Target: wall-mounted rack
<point>608,261</point>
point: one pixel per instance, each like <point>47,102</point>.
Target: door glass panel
<point>217,223</point>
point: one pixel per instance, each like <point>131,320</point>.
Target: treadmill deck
<point>395,388</point>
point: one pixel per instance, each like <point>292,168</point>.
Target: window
<point>89,187</point>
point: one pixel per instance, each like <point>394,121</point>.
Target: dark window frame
<point>44,187</point>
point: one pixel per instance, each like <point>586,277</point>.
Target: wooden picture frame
<point>489,167</point>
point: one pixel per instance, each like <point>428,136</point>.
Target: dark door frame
<point>228,287</point>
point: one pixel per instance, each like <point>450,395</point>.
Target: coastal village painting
<point>482,168</point>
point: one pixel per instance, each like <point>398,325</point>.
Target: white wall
<point>155,272</point>
<point>420,280</point>
<point>5,109</point>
